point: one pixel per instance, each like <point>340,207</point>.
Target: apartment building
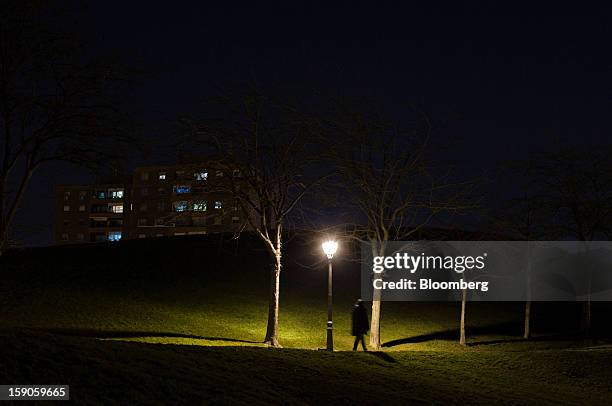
<point>181,200</point>
<point>159,201</point>
<point>90,213</point>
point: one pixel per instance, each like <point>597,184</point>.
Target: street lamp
<point>329,247</point>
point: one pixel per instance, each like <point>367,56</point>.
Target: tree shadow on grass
<point>453,334</point>
<point>504,329</point>
<point>381,355</point>
<point>94,333</point>
<point>540,338</point>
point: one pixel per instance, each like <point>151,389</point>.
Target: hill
<point>93,316</point>
<point>136,373</point>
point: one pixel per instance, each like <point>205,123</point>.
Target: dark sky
<point>513,79</point>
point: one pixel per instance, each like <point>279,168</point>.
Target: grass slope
<point>67,312</point>
<point>136,373</point>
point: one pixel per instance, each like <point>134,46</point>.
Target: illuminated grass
<point>241,320</point>
<point>105,324</point>
<point>168,288</point>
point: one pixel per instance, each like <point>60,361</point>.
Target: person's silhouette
<point>361,324</point>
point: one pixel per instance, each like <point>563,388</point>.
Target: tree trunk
<point>585,322</point>
<point>462,322</point>
<point>586,318</point>
<point>3,237</point>
<point>527,326</point>
<point>377,250</point>
<point>273,305</point>
<point>8,210</point>
<point>586,310</point>
<point>375,323</point>
<point>527,330</point>
<point>3,227</point>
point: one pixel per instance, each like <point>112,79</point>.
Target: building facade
<point>159,201</point>
<point>90,213</point>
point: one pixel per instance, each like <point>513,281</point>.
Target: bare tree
<point>390,185</point>
<point>53,106</point>
<point>265,144</point>
<point>574,190</point>
<point>521,219</point>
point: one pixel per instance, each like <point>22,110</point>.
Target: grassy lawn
<point>95,320</point>
<point>205,316</point>
<point>103,294</point>
<point>145,373</point>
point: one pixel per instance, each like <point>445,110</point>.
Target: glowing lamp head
<point>330,247</point>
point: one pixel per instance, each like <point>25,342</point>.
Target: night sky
<point>508,80</point>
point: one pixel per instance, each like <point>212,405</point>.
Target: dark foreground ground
<point>137,373</point>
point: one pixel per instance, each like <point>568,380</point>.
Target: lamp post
<point>329,247</point>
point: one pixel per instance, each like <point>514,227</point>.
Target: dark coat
<point>361,325</point>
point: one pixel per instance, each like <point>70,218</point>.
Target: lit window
<point>82,207</point>
<point>64,237</point>
<point>82,195</point>
<point>236,173</point>
<point>66,208</point>
<point>117,208</point>
<point>201,175</point>
<point>142,222</point>
<point>66,195</point>
<point>114,236</point>
<point>162,176</point>
<point>116,194</point>
<point>144,176</point>
<point>101,194</point>
<point>181,189</point>
<point>218,204</point>
<point>199,206</point>
<point>181,206</point>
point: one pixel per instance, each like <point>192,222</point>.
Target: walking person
<point>361,325</point>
